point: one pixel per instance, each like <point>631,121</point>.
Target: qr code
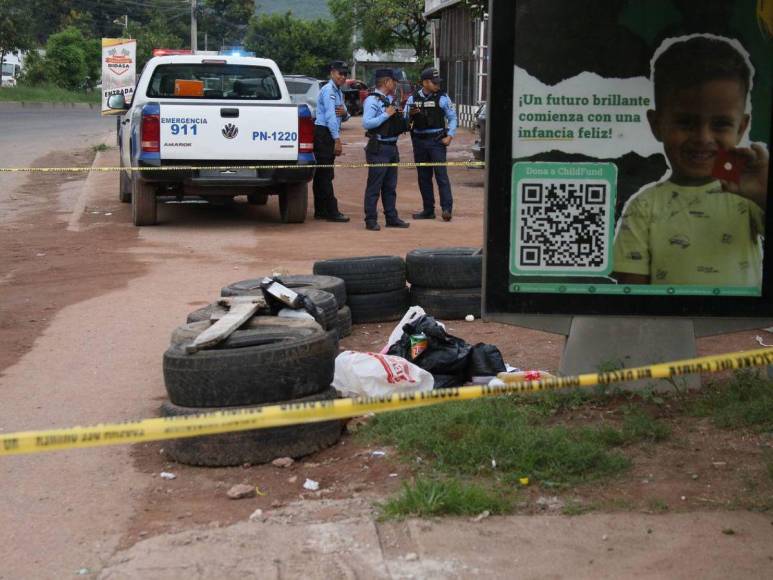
<point>563,226</point>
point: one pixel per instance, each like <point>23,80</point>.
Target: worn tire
<point>366,275</point>
<point>255,446</point>
<point>143,203</point>
<point>447,304</point>
<point>379,307</point>
<point>344,321</point>
<point>294,203</point>
<point>330,284</point>
<point>205,313</point>
<point>326,302</point>
<point>445,267</point>
<point>124,187</point>
<point>252,367</point>
<point>186,333</point>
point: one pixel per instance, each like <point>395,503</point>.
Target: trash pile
<point>273,340</point>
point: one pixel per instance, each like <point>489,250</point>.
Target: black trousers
<point>325,202</point>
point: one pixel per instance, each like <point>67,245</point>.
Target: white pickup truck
<point>204,111</point>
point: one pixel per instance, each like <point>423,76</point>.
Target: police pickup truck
<point>204,113</point>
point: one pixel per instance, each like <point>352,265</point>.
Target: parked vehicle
<point>304,91</point>
<point>10,70</point>
<point>204,111</point>
<point>479,147</point>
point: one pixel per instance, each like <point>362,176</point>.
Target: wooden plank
<point>242,308</point>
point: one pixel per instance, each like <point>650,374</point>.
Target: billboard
<point>637,157</point>
<point>119,65</point>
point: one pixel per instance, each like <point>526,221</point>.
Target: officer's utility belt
<point>435,135</point>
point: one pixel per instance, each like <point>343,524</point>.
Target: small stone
<point>292,479</point>
<point>694,476</point>
<point>481,516</point>
<point>83,571</point>
<point>550,503</point>
<point>728,531</point>
<point>649,530</point>
<point>283,462</point>
<point>311,485</point>
<point>142,534</point>
<point>167,475</point>
<point>683,498</point>
<point>257,515</point>
<point>411,557</point>
<point>276,504</point>
<point>242,491</point>
<point>604,538</point>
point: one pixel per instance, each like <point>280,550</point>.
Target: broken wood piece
<point>241,309</point>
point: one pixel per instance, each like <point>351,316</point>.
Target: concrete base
<point>609,343</point>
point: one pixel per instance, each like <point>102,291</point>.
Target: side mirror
<point>117,102</point>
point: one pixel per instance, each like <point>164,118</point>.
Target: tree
<point>298,46</point>
<point>225,21</point>
<point>15,28</point>
<point>386,24</point>
<point>155,34</point>
<point>477,7</point>
<point>66,62</point>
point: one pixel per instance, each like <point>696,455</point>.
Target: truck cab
<point>10,70</point>
<point>216,118</point>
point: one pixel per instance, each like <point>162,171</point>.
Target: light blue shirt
<point>330,97</point>
<point>448,110</point>
<point>374,114</point>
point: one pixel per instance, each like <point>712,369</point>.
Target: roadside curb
<point>89,186</point>
<point>16,105</point>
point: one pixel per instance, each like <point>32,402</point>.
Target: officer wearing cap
<point>384,124</point>
<point>427,111</point>
<point>331,111</point>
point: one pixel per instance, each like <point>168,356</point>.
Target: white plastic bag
<point>372,374</point>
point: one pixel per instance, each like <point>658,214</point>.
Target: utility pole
<point>125,23</point>
<point>194,31</point>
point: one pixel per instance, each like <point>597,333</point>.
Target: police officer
<point>331,111</point>
<point>384,124</point>
<point>427,111</point>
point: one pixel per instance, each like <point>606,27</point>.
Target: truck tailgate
<point>229,131</point>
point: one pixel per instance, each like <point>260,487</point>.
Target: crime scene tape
<point>89,169</point>
<point>282,415</point>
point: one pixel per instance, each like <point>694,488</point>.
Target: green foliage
<point>744,401</point>
<point>430,497</point>
<point>225,21</point>
<point>47,94</point>
<point>15,27</point>
<point>66,63</point>
<point>465,438</point>
<point>298,46</point>
<point>34,72</point>
<point>153,35</point>
<point>386,24</point>
<point>305,9</point>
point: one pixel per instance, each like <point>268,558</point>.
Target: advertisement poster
<point>119,64</point>
<point>640,147</point>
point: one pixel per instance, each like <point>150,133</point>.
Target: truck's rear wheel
<point>124,187</point>
<point>294,202</point>
<point>143,203</point>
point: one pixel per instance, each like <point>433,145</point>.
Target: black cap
<point>340,66</point>
<point>385,72</point>
<point>431,74</point>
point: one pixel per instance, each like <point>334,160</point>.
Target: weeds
<point>99,148</point>
<point>744,401</point>
<point>430,497</point>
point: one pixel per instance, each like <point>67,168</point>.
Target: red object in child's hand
<point>728,166</point>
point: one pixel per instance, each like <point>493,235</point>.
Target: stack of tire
<point>376,288</point>
<point>446,282</point>
<point>269,360</point>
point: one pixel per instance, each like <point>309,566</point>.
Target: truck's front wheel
<point>124,187</point>
<point>143,203</point>
<point>294,202</point>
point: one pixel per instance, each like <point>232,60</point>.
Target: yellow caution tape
<point>406,164</point>
<point>295,413</point>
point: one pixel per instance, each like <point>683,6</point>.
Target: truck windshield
<point>8,70</point>
<point>214,81</point>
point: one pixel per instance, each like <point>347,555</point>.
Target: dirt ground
<point>87,302</point>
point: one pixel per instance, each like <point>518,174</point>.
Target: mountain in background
<point>305,9</point>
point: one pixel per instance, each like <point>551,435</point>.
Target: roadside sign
<point>628,171</point>
<point>119,65</point>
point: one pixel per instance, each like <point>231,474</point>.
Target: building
<point>364,64</point>
<point>459,44</point>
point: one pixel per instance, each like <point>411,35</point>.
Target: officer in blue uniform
<point>427,111</point>
<point>384,124</point>
<point>331,112</point>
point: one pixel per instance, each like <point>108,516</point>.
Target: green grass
<point>744,401</point>
<point>433,497</point>
<point>47,94</point>
<point>465,439</point>
<point>100,147</point>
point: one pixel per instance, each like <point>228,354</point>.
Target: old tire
<point>344,321</point>
<point>255,446</point>
<point>366,275</point>
<point>294,203</point>
<point>205,313</point>
<point>143,203</point>
<point>252,367</point>
<point>326,302</point>
<point>186,333</point>
<point>447,304</point>
<point>445,267</point>
<point>379,306</point>
<point>124,187</point>
<point>327,283</point>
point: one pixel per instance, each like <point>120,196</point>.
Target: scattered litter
<point>761,342</point>
<point>259,492</point>
<point>412,314</point>
<point>257,515</point>
<point>83,572</point>
<point>481,516</point>
<point>684,498</point>
<point>109,213</point>
<point>377,453</point>
<point>292,479</point>
<point>552,503</point>
<point>694,476</point>
<point>311,485</point>
<point>393,475</point>
<point>469,318</point>
<point>360,374</point>
<point>283,462</point>
<point>242,491</point>
<point>523,481</point>
<point>493,464</point>
<point>411,557</point>
<point>40,254</point>
<point>167,475</point>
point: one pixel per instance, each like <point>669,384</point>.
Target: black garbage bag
<point>444,355</point>
<point>485,361</point>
